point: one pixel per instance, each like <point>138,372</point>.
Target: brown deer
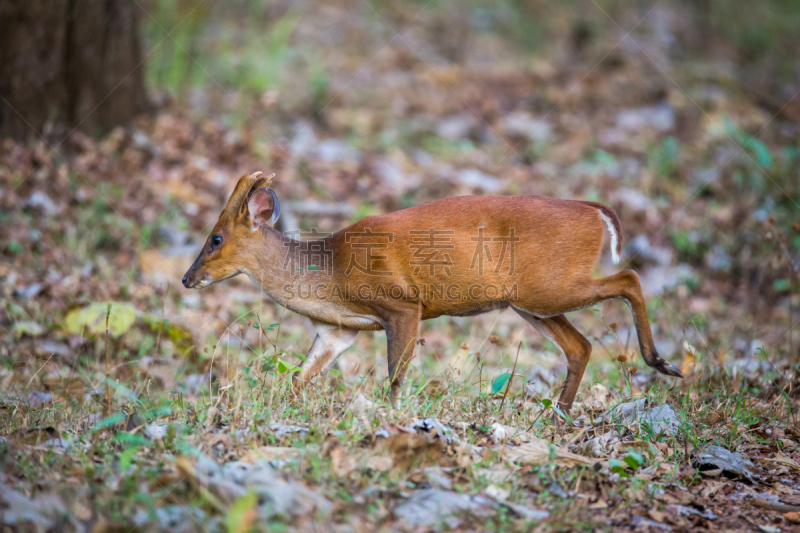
<point>457,256</point>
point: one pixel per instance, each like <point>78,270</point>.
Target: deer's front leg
<point>401,338</point>
<point>330,343</point>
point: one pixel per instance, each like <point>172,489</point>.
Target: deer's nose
<point>186,281</point>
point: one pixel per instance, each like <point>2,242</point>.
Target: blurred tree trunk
<point>72,62</point>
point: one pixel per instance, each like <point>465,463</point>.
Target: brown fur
<point>559,244</point>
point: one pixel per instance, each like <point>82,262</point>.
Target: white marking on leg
<point>317,351</point>
<point>612,232</point>
<point>331,341</point>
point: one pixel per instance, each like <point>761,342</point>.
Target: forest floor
<point>170,409</point>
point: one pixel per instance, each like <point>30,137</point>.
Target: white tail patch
<point>612,232</point>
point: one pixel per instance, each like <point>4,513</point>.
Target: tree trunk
<point>72,62</point>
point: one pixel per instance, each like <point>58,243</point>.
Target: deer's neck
<point>288,271</point>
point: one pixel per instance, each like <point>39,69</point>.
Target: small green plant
<point>629,464</point>
<point>319,88</point>
<point>664,158</point>
<point>500,382</point>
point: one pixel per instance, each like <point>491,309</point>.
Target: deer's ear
<point>263,207</point>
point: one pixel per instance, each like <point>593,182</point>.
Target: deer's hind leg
<point>575,347</point>
<point>625,286</point>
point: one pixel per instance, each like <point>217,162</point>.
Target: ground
<point>132,404</point>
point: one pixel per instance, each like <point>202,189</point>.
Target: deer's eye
<point>216,240</point>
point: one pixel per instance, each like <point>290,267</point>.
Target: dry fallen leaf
<point>436,386</point>
<point>780,459</point>
<point>413,450</point>
<point>657,515</point>
<point>341,462</point>
<point>780,488</point>
<point>539,451</point>
<point>35,436</point>
<point>689,359</point>
<point>502,433</point>
<point>66,389</point>
<point>711,487</point>
<point>597,398</point>
<point>212,439</point>
<point>271,453</point>
<point>380,463</point>
<point>599,504</point>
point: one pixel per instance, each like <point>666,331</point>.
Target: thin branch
<point>511,377</point>
<point>108,367</point>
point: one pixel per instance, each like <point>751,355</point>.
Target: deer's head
<point>233,241</point>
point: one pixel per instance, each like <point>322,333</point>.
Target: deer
<point>457,256</point>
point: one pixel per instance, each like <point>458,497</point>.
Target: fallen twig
<point>771,506</point>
